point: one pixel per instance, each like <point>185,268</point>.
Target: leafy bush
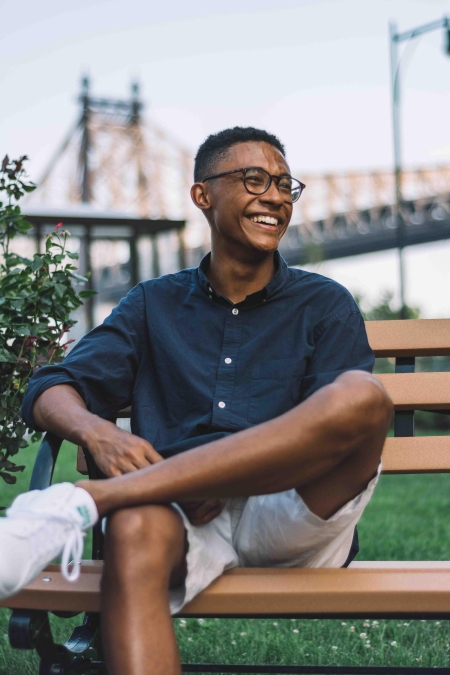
<point>37,299</point>
<point>384,310</point>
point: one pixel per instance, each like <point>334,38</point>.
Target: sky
<point>315,72</point>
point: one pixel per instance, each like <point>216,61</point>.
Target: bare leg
<point>330,491</point>
<point>343,425</point>
<point>145,554</point>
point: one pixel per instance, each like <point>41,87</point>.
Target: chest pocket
<point>275,388</point>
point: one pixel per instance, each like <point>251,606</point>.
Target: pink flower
<point>58,226</point>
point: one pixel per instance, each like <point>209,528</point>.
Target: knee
<point>368,407</point>
<point>143,537</point>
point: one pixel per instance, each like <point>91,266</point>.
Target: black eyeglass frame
<point>275,178</point>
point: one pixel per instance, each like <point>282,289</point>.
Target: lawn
<point>408,519</point>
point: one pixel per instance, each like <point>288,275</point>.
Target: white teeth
<point>267,220</point>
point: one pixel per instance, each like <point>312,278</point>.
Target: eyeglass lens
<point>257,181</point>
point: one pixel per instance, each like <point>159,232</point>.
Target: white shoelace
<point>72,548</point>
<point>73,539</point>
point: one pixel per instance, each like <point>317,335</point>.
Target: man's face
<point>233,212</point>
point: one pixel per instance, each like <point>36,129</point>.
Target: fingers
<point>143,455</point>
<point>151,455</point>
<point>202,512</point>
<point>124,454</point>
<point>112,472</point>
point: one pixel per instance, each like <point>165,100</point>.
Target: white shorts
<point>276,530</point>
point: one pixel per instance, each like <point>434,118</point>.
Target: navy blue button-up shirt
<point>196,367</point>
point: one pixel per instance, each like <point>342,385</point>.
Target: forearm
<point>62,411</point>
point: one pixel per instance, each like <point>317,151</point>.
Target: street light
<point>395,39</point>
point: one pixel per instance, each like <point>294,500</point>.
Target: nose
<point>273,194</point>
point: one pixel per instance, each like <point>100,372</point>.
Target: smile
<point>264,220</point>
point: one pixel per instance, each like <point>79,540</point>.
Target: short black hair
<point>217,145</point>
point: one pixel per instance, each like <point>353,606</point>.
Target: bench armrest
<point>45,462</point>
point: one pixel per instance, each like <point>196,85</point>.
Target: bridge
<point>358,215</point>
<point>116,160</point>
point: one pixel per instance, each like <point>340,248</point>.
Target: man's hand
<point>202,512</point>
<point>116,451</point>
<point>62,411</point>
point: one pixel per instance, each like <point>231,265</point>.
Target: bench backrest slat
<point>415,337</point>
<point>418,391</point>
<point>419,454</point>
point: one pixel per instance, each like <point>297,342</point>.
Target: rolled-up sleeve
<point>102,367</point>
<point>340,344</point>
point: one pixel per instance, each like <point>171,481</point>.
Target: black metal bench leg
<point>82,653</point>
<point>85,648</point>
<point>30,629</point>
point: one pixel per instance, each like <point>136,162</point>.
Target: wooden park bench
<point>415,590</point>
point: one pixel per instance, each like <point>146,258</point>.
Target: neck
<point>235,278</point>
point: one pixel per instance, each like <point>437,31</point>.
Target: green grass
<point>408,519</point>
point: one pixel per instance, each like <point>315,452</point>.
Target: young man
<point>257,428</point>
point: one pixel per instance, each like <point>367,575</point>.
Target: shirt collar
<point>277,281</point>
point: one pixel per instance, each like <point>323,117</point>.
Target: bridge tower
<point>115,161</point>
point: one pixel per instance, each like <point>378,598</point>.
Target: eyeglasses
<point>257,181</point>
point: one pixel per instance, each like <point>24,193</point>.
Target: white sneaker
<point>38,527</point>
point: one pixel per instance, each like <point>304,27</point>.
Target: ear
<point>200,196</point>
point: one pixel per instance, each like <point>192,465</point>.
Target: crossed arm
<point>62,411</point>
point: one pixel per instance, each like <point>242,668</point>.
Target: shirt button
<point>210,289</point>
<point>227,360</point>
<point>235,311</point>
<point>221,404</point>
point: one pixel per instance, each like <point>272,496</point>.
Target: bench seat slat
<point>365,590</point>
<point>415,337</point>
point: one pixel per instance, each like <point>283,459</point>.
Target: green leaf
<point>8,478</point>
<point>7,357</point>
<point>12,446</point>
<point>20,429</point>
<point>87,294</point>
<point>9,466</point>
<point>37,263</point>
<point>24,226</point>
<point>59,290</point>
<point>78,277</point>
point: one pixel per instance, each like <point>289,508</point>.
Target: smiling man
<point>257,428</point>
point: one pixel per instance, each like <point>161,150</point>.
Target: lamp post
<point>395,39</point>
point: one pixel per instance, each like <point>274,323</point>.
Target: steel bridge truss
<point>358,216</point>
<point>116,161</point>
